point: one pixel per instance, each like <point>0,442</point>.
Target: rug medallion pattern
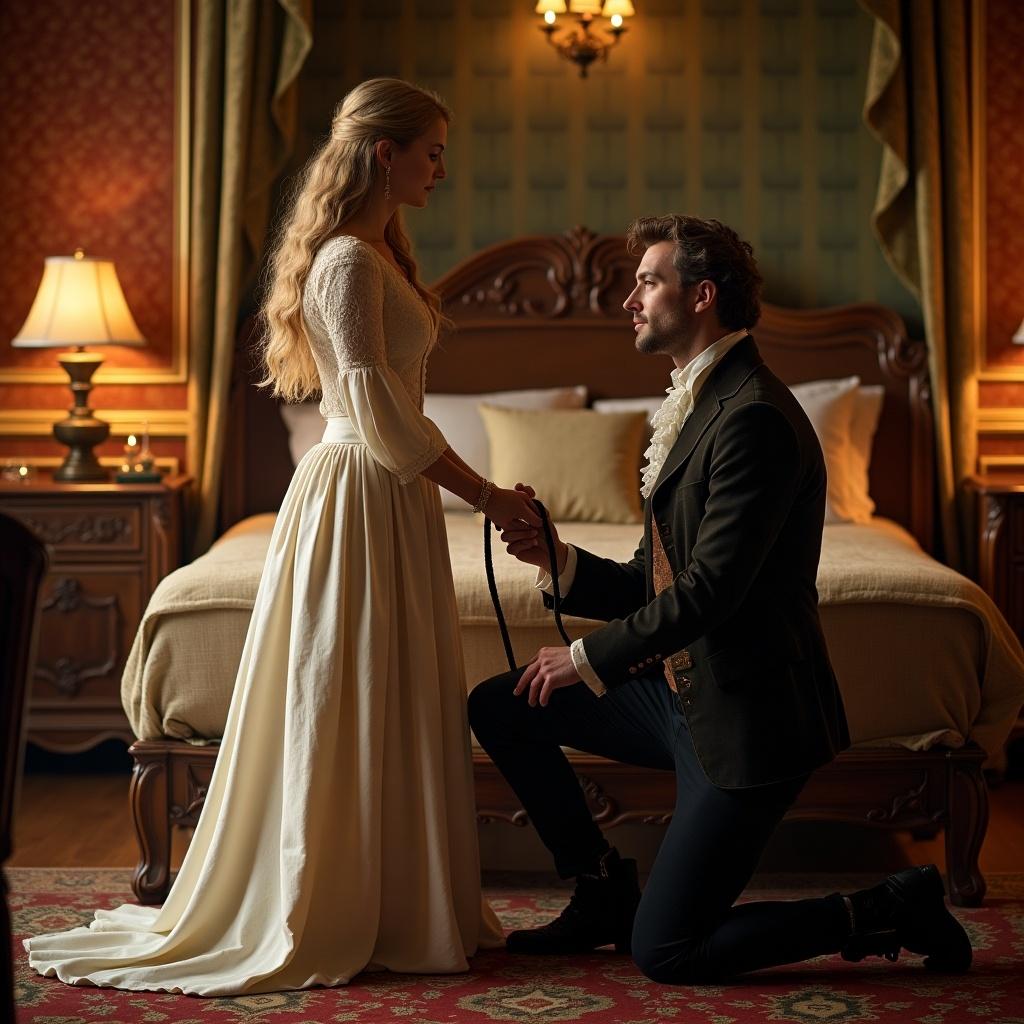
<point>599,989</point>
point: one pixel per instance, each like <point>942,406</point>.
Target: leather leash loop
<point>492,586</point>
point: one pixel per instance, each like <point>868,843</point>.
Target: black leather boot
<point>908,910</point>
<point>600,913</point>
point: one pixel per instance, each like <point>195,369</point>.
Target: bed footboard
<point>884,788</point>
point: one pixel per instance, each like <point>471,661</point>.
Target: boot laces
<point>579,907</point>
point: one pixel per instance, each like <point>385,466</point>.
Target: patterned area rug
<point>599,989</point>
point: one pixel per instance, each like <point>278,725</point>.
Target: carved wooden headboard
<point>546,310</point>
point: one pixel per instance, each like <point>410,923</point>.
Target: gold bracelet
<point>486,490</point>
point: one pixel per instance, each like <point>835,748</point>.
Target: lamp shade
<point>623,8</point>
<point>585,6</point>
<point>554,6</point>
<point>79,302</point>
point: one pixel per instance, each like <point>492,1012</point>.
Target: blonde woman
<point>338,833</point>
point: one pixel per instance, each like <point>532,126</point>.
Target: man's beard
<point>649,342</point>
<point>653,342</point>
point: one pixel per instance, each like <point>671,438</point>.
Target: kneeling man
<point>712,663</point>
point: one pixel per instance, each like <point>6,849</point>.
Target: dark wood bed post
<point>559,296</point>
<point>150,805</point>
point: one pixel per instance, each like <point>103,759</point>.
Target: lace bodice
<point>360,311</point>
<point>371,334</point>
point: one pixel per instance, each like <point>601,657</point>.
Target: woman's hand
<point>512,510</point>
<point>529,544</point>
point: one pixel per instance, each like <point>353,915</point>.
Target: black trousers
<point>686,929</point>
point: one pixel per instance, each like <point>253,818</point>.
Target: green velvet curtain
<point>246,59</point>
<point>918,105</point>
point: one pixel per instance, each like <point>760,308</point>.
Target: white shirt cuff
<point>565,577</point>
<point>583,668</point>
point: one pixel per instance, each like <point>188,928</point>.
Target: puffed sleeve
<point>349,295</point>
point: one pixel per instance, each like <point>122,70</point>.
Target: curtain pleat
<point>918,106</point>
<point>247,57</point>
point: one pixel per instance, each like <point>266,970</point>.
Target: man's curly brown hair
<point>707,250</point>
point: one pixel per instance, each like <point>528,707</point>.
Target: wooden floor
<point>84,821</point>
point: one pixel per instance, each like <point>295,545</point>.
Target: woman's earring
<point>387,182</point>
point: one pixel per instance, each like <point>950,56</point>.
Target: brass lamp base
<point>81,431</point>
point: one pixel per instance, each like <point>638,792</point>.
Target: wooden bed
<point>546,311</point>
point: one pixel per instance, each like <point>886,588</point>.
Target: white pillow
<point>458,418</point>
<point>867,410</point>
<point>848,460</point>
<point>829,405</point>
<point>305,427</point>
<point>648,406</point>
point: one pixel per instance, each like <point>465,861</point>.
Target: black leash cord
<point>496,600</point>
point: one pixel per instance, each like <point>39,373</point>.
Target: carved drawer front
<point>115,527</point>
<point>86,629</point>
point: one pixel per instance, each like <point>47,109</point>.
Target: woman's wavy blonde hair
<point>334,186</point>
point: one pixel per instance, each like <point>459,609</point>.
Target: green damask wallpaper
<point>746,110</point>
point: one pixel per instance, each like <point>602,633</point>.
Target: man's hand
<point>550,669</point>
<point>528,544</point>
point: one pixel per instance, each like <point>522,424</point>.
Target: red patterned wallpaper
<point>1004,179</point>
<point>87,124</point>
<point>87,128</point>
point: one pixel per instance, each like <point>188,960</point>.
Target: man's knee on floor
<point>679,962</point>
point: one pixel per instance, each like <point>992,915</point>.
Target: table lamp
<point>79,303</point>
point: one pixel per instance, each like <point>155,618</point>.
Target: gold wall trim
<point>1001,421</point>
<point>1000,463</point>
<point>171,463</point>
<point>177,372</point>
<point>39,422</point>
<point>1013,374</point>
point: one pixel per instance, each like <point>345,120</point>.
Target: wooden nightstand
<point>109,545</point>
<point>1001,551</point>
<point>1001,543</point>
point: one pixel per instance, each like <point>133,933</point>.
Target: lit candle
<point>131,452</point>
<point>145,455</point>
<point>18,472</point>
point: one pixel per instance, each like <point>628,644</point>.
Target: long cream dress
<point>338,833</point>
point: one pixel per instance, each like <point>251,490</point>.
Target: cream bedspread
<point>922,655</point>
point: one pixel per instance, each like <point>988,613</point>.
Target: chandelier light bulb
<point>587,40</point>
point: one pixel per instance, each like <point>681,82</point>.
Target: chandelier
<point>583,43</point>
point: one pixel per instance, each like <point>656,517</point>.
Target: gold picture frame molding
<point>39,422</point>
<point>170,463</point>
<point>177,372</point>
<point>1003,420</point>
<point>1000,464</point>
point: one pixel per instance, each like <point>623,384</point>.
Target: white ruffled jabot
<point>667,423</point>
<point>676,409</point>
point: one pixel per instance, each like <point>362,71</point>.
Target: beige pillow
<point>582,464</point>
<point>458,418</point>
